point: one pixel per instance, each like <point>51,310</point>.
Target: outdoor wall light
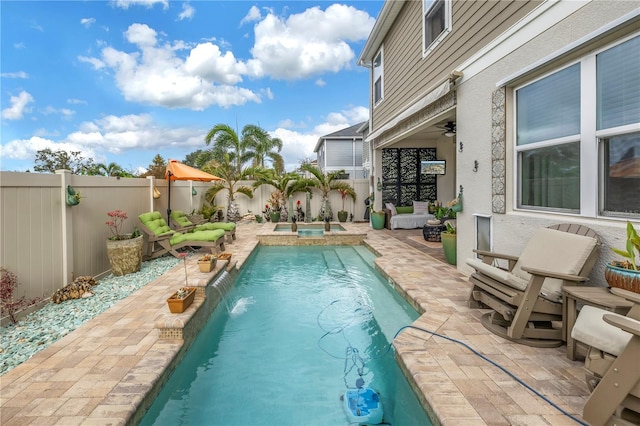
<point>379,186</point>
<point>475,165</point>
<point>460,149</point>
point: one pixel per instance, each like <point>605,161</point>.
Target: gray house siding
<point>408,75</point>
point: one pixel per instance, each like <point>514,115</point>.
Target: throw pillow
<point>420,207</point>
<point>391,208</point>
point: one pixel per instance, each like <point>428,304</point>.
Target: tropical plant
<point>345,191</point>
<point>9,306</point>
<point>261,146</point>
<point>227,142</point>
<point>115,222</point>
<point>284,184</point>
<point>325,183</point>
<point>230,177</point>
<point>633,245</point>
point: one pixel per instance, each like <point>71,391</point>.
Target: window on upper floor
<point>378,88</point>
<point>577,139</point>
<point>436,16</point>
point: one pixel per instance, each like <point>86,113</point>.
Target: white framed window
<point>436,23</point>
<point>378,83</point>
<point>577,136</point>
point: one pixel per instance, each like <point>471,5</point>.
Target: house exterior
<point>545,99</point>
<point>342,150</point>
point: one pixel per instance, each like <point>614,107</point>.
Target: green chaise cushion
<point>225,226</point>
<point>180,217</point>
<point>212,236</point>
<point>155,223</point>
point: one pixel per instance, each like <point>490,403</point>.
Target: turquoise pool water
<point>294,332</point>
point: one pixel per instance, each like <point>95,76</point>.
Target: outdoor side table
<point>432,232</point>
<point>599,297</point>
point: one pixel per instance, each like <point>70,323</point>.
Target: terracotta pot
<point>178,306</point>
<point>125,256</point>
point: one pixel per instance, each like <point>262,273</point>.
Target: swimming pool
<point>280,350</point>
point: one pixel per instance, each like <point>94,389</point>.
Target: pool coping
<point>106,371</point>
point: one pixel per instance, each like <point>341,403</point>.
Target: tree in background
<point>262,147</point>
<point>227,171</point>
<point>157,168</point>
<point>111,169</point>
<point>325,183</point>
<point>198,158</point>
<point>48,161</point>
<point>285,185</point>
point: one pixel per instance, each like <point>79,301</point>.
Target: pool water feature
<point>308,230</point>
<point>300,329</point>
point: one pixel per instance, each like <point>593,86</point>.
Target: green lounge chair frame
<point>526,315</point>
<point>161,239</point>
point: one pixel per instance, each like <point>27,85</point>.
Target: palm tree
<point>226,141</point>
<point>263,147</point>
<point>112,169</point>
<point>325,183</point>
<point>284,184</point>
<point>227,171</point>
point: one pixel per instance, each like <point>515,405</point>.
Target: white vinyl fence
<point>47,243</point>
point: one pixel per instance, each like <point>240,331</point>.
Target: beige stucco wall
<point>474,130</point>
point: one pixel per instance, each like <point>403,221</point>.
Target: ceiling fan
<point>449,129</point>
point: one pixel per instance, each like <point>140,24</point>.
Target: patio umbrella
<point>179,171</point>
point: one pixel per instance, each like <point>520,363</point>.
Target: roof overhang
<point>426,100</point>
<point>387,16</point>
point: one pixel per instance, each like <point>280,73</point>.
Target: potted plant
<point>207,262</point>
<point>449,244</point>
<point>123,250</point>
<point>179,301</point>
<point>225,256</point>
<point>345,191</point>
<point>625,273</point>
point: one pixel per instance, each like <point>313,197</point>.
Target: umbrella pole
<point>169,199</point>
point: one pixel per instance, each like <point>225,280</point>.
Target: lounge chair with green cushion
<point>181,222</point>
<point>162,240</point>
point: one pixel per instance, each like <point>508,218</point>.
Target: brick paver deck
<point>102,372</point>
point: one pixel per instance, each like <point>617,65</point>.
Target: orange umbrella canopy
<point>179,171</point>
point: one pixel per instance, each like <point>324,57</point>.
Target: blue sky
<point>121,81</point>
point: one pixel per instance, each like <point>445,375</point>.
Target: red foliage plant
<point>8,306</point>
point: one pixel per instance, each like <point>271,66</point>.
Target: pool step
<point>333,261</point>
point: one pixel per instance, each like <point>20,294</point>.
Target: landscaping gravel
<point>39,329</point>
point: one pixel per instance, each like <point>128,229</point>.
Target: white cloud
<point>19,45</point>
<point>76,101</point>
<point>311,42</point>
<point>187,12</point>
<point>19,105</point>
<point>320,82</point>
<point>113,134</point>
<point>19,74</point>
<point>124,4</point>
<point>157,75</point>
<point>252,16</point>
<point>26,149</point>
<point>97,63</point>
<point>87,22</point>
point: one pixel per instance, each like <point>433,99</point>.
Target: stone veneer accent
<point>498,151</point>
